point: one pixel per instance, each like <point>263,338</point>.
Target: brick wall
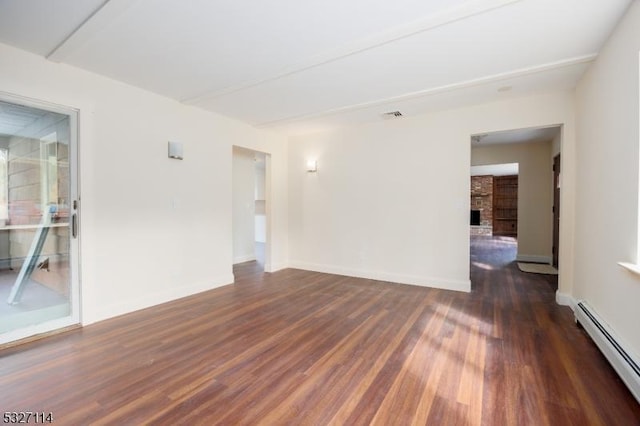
<point>482,198</point>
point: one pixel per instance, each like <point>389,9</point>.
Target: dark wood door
<point>556,209</point>
<point>505,205</point>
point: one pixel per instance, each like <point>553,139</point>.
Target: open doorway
<point>250,212</point>
<point>516,164</point>
<point>494,200</point>
<point>260,214</point>
<point>494,211</point>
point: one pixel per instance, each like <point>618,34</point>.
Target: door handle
<point>74,225</point>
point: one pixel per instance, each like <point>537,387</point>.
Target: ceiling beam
<point>522,72</point>
<point>466,10</point>
<point>99,19</point>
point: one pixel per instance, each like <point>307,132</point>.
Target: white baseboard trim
<point>445,284</point>
<point>154,299</point>
<point>245,258</point>
<point>275,267</point>
<point>533,258</point>
<point>564,299</point>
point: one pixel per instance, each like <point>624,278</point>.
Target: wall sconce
<point>312,166</point>
<point>175,150</point>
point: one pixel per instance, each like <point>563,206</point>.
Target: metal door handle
<point>74,225</point>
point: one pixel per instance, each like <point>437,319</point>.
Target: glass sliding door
<point>39,287</point>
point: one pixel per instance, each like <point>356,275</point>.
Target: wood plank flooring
<point>305,348</point>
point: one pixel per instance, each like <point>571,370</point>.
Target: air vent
<point>392,114</point>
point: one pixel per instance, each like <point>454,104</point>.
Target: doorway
<point>250,208</point>
<point>39,279</point>
<point>555,250</point>
<point>494,200</point>
<point>527,200</point>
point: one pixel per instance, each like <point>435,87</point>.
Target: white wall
<point>607,176</point>
<point>152,229</point>
<point>535,198</point>
<point>390,200</point>
<point>243,205</point>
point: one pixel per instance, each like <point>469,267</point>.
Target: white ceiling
<point>301,66</point>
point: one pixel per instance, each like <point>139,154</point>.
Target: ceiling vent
<point>392,114</point>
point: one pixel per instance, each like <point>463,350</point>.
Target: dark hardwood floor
<point>298,347</point>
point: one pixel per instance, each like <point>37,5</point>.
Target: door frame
<point>268,267</point>
<point>75,299</point>
<point>555,248</point>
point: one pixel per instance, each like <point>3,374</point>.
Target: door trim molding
<point>75,317</point>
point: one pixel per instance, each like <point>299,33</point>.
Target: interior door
<point>556,210</point>
<point>505,205</point>
<point>39,285</point>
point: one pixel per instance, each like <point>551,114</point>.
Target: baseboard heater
<point>625,365</point>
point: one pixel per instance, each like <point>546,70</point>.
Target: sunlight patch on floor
<point>484,266</point>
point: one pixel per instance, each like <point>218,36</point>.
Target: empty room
<point>320,212</point>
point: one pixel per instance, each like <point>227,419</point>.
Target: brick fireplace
<point>482,205</point>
